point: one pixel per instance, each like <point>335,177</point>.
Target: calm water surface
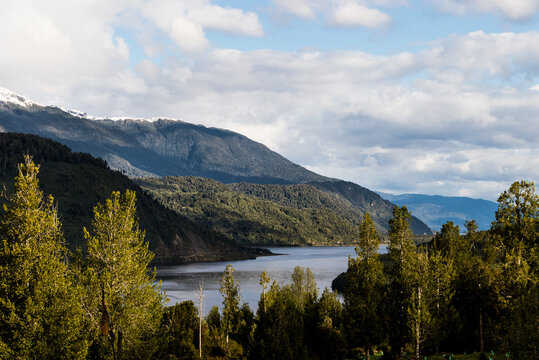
<point>181,281</point>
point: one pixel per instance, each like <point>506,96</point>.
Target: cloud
<point>352,14</point>
<point>515,10</point>
<point>348,13</point>
<point>186,21</point>
<point>458,117</point>
<point>302,8</point>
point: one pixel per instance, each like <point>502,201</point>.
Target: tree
<point>230,290</point>
<point>517,218</point>
<point>179,325</point>
<point>449,242</point>
<point>41,316</point>
<point>418,306</point>
<point>402,253</point>
<point>126,297</point>
<point>364,290</point>
<point>279,332</point>
<point>442,277</point>
<point>330,342</point>
<point>516,225</point>
<point>264,281</point>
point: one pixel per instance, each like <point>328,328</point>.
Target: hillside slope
<point>250,219</point>
<point>78,181</point>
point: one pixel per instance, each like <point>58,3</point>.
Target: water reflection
<point>181,281</point>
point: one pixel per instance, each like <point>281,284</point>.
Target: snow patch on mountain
<point>9,96</point>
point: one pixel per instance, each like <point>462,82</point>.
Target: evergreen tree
<point>279,332</point>
<point>230,290</point>
<point>442,277</point>
<point>364,290</point>
<point>419,316</point>
<point>127,304</point>
<point>517,217</point>
<point>180,332</point>
<point>402,253</point>
<point>516,226</point>
<point>41,316</point>
<point>330,342</point>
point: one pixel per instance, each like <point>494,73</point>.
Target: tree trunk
<point>481,344</point>
<point>418,323</point>
<point>201,296</point>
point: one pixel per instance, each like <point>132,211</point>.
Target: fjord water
<point>181,282</point>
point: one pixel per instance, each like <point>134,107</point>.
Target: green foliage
<point>179,328</point>
<point>41,315</point>
<point>249,219</point>
<point>403,258</point>
<point>230,290</point>
<point>126,296</point>
<point>517,219</point>
<point>365,285</point>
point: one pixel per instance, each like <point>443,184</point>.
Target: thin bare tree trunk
<point>418,323</point>
<point>200,297</point>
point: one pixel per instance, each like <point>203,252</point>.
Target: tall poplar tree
<point>402,253</point>
<point>364,287</point>
<point>41,317</point>
<point>127,303</point>
<point>230,290</point>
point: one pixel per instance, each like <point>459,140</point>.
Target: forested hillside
<point>79,181</point>
<point>346,199</point>
<point>253,220</point>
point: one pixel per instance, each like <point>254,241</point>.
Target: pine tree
<point>41,317</point>
<point>126,298</point>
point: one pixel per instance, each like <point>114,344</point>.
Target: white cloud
<point>186,21</point>
<point>459,117</point>
<point>515,10</point>
<point>301,8</point>
<point>352,14</point>
<point>234,21</point>
<point>345,13</point>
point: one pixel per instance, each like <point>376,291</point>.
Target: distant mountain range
<point>436,210</point>
<point>163,147</point>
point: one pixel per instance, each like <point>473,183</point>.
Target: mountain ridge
<point>164,147</point>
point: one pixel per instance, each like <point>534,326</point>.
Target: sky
<point>401,96</point>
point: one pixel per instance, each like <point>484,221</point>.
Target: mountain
<point>160,147</point>
<point>250,219</point>
<point>163,147</point>
<point>436,210</point>
<point>79,181</point>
